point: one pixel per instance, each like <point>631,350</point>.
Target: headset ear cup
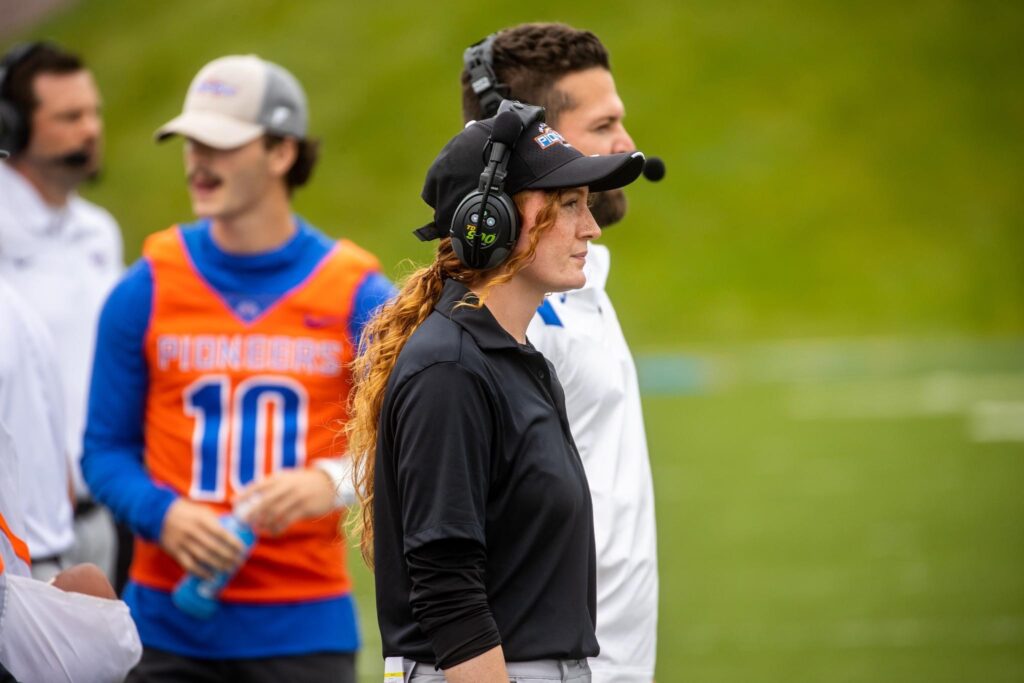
<point>14,126</point>
<point>13,135</point>
<point>458,228</point>
<point>508,234</point>
<point>489,247</point>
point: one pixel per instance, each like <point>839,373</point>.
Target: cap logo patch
<point>217,88</point>
<point>280,115</point>
<point>548,137</point>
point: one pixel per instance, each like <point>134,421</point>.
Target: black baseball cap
<point>541,160</point>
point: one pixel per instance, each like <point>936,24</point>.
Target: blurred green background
<point>825,295</point>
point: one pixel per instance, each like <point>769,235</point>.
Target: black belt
<point>85,506</point>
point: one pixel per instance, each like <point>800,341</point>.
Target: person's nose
<point>591,230</point>
<point>622,142</point>
<point>92,125</point>
<point>196,151</point>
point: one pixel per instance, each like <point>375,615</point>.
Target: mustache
<point>202,174</point>
<point>608,208</point>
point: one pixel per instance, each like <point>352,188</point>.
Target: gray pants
<point>539,671</point>
<point>46,569</point>
<point>95,541</point>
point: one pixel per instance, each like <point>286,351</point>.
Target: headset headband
<point>16,55</point>
<point>478,61</point>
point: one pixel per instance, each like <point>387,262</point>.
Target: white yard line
<point>933,395</point>
<point>854,634</point>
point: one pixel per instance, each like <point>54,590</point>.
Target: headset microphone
<point>508,126</point>
<point>654,169</point>
<point>76,159</point>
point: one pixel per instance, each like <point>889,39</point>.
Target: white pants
<point>539,671</point>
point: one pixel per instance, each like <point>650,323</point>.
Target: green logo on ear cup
<point>486,238</point>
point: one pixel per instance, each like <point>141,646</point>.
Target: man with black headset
<point>61,254</point>
<point>567,71</point>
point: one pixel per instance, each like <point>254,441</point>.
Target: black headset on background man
<point>14,124</point>
<point>478,59</point>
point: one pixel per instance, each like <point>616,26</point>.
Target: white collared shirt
<point>47,634</point>
<point>63,262</point>
<point>32,406</point>
<point>580,334</point>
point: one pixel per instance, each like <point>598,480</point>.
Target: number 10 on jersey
<point>264,419</point>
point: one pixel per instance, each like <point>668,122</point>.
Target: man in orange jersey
<point>221,376</point>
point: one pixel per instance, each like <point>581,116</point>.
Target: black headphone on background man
<point>14,125</point>
<point>485,225</point>
<point>478,60</point>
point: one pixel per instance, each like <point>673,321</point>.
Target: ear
<point>529,204</point>
<point>282,156</point>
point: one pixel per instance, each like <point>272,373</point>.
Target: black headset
<point>478,60</point>
<point>14,124</point>
<point>482,237</point>
<point>485,225</point>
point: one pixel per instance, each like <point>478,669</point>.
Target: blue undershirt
<point>112,460</point>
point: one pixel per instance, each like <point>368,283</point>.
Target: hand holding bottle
<point>198,594</point>
<point>193,535</point>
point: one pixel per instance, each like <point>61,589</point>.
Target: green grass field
<point>837,512</point>
<point>825,294</point>
<point>808,533</point>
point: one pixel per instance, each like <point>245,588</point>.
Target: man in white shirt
<point>32,404</point>
<point>59,252</point>
<point>567,71</point>
<point>70,629</point>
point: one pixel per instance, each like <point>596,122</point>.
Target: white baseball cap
<point>234,100</point>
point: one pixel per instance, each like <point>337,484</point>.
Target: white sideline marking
<point>855,634</point>
<point>997,421</point>
<point>934,395</point>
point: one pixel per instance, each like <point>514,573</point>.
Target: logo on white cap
<point>217,87</point>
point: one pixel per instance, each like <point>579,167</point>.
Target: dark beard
<point>608,207</point>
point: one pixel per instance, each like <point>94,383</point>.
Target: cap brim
<point>211,129</point>
<point>599,173</point>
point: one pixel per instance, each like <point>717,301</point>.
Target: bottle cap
<point>243,508</point>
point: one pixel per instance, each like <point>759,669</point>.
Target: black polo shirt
<point>474,445</point>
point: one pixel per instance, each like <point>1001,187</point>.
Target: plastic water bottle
<point>199,597</point>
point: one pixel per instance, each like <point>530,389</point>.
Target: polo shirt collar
<point>35,216</point>
<point>479,322</point>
